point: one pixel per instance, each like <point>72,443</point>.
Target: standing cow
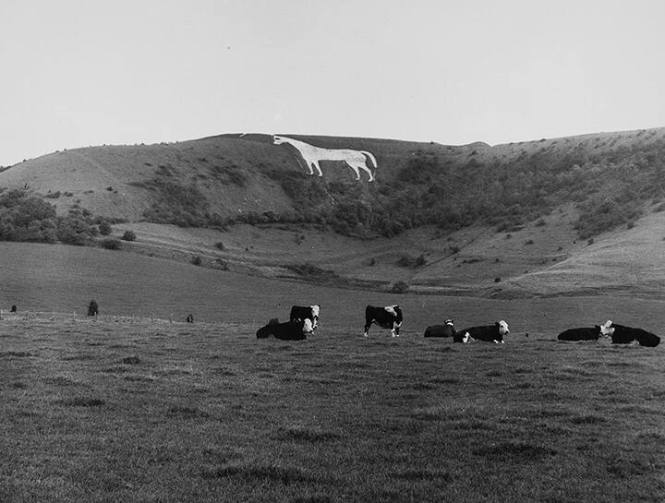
<point>389,317</point>
<point>488,333</point>
<point>299,313</point>
<point>445,330</point>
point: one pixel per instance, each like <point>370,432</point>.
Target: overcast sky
<point>85,72</point>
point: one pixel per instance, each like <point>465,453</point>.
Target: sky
<point>76,73</point>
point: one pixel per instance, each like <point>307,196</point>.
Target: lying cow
<point>627,335</point>
<point>586,333</point>
<point>445,330</point>
<point>389,317</point>
<point>488,333</point>
<point>289,331</point>
<point>299,313</point>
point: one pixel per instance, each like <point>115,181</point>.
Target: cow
<point>586,333</point>
<point>13,309</point>
<point>385,317</point>
<point>289,331</point>
<point>93,308</point>
<point>488,333</point>
<point>626,335</point>
<point>190,318</point>
<point>445,330</point>
<point>299,313</point>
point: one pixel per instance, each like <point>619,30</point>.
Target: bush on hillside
<point>104,228</point>
<point>399,287</point>
<point>111,244</point>
<point>128,236</point>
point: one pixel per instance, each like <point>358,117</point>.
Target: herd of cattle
<point>304,320</point>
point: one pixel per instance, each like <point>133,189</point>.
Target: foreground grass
<point>172,412</point>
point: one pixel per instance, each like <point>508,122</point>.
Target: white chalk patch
<point>355,159</point>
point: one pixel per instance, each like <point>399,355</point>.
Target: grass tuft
<point>514,452</point>
<point>82,402</point>
<point>254,473</point>
<point>307,435</point>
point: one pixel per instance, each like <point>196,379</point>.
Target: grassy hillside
<point>438,218</point>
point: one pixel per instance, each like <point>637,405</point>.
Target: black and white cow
<point>299,313</point>
<point>627,335</point>
<point>586,333</point>
<point>289,331</point>
<point>389,317</point>
<point>488,333</point>
<point>445,330</point>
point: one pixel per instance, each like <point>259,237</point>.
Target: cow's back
<point>439,331</point>
<point>579,334</point>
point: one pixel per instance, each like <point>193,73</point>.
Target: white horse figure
<point>356,159</point>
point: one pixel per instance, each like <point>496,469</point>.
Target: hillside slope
<point>510,219</point>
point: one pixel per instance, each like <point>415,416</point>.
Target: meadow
<point>131,407</point>
<point>120,410</point>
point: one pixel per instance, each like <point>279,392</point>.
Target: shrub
<point>219,245</point>
<point>111,244</point>
<point>399,287</point>
<point>196,260</point>
<point>129,236</point>
<point>104,228</point>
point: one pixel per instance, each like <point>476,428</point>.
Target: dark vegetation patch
<point>138,378</point>
<point>261,473</point>
<point>82,402</point>
<point>60,381</point>
<point>79,357</point>
<point>307,435</point>
<point>15,354</point>
<point>625,466</point>
<point>445,380</point>
<point>515,452</point>
<point>422,474</point>
<point>186,412</point>
<point>589,419</point>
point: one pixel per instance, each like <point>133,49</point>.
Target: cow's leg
<point>367,325</point>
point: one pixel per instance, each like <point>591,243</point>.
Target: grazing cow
<point>93,308</point>
<point>289,331</point>
<point>299,313</point>
<point>13,309</point>
<point>190,318</point>
<point>586,333</point>
<point>445,330</point>
<point>385,317</point>
<point>626,335</point>
<point>488,333</point>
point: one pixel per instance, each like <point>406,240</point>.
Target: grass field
<point>121,411</point>
<point>129,409</point>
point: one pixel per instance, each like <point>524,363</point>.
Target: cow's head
<point>307,327</point>
<point>503,327</point>
<point>277,140</point>
<point>606,329</point>
<point>315,310</point>
<point>449,322</point>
